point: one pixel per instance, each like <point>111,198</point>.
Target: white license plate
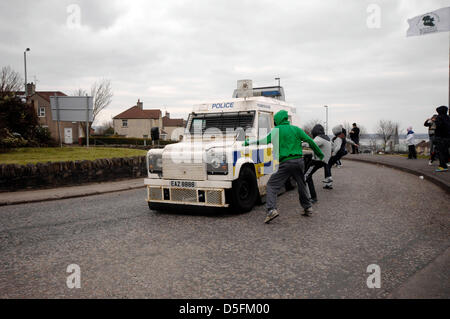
<point>187,184</point>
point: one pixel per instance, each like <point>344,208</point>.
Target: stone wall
<point>53,174</point>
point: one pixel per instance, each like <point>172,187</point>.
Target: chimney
<point>167,115</point>
<point>31,89</point>
<point>139,104</point>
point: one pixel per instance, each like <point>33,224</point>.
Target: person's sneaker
<point>441,169</point>
<point>271,215</point>
<point>328,187</point>
<point>328,180</point>
<point>430,163</point>
<point>313,200</point>
<point>308,211</point>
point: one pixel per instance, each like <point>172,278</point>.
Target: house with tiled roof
<point>138,122</point>
<point>173,127</point>
<point>69,132</point>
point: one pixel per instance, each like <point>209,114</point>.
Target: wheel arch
<point>240,164</point>
<point>243,163</point>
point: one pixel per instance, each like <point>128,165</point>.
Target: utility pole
<point>25,65</point>
<point>326,123</point>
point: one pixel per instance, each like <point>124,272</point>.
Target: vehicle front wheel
<point>245,190</point>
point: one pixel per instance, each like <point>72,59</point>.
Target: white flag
<point>431,22</point>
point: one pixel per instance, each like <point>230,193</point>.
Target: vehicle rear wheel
<point>245,190</point>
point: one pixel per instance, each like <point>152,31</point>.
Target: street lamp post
<point>326,123</point>
<point>25,64</point>
<point>278,79</point>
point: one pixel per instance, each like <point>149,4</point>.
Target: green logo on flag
<point>428,21</point>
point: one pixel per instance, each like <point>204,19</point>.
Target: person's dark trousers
<point>442,145</point>
<point>412,152</point>
<point>355,150</point>
<point>333,160</point>
<point>432,149</point>
<point>294,168</point>
<point>327,170</point>
<point>313,167</point>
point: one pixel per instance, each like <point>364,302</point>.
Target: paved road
<point>375,215</point>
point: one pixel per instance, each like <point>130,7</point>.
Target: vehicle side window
<point>264,124</point>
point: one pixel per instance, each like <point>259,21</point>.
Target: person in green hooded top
<point>287,147</point>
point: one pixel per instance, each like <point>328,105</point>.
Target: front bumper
<point>205,193</point>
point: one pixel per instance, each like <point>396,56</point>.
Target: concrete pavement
<point>417,167</point>
<point>41,195</point>
<point>374,215</point>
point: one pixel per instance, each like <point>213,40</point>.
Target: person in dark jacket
<point>354,136</point>
<point>442,137</point>
<point>430,123</point>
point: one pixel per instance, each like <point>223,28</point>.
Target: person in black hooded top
<point>442,137</point>
<point>354,136</point>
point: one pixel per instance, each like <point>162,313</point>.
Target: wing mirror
<point>240,134</point>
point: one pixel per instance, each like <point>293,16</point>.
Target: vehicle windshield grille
<point>199,123</point>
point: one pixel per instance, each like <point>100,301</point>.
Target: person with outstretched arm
<point>431,124</point>
<point>287,146</point>
<point>324,143</point>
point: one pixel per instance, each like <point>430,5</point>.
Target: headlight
<point>216,163</point>
<point>155,163</point>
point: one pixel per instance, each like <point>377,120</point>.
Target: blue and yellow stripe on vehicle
<point>262,158</point>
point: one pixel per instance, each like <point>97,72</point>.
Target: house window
<point>41,112</point>
<point>124,123</point>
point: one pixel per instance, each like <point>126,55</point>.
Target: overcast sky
<point>171,54</point>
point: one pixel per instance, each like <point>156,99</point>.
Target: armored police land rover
<point>210,167</point>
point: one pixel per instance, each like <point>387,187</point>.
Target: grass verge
<point>24,156</point>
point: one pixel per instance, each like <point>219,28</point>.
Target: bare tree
<point>102,93</point>
<point>80,92</point>
<point>10,81</point>
<point>308,126</point>
<point>373,144</point>
<point>386,130</point>
<point>362,129</point>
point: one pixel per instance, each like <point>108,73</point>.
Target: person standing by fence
<point>411,142</point>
